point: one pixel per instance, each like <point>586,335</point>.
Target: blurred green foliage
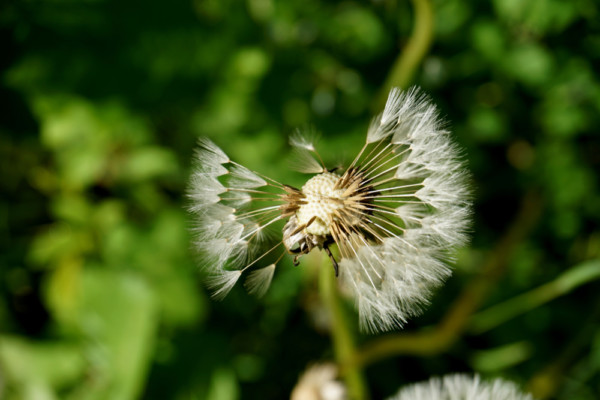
<point>102,102</point>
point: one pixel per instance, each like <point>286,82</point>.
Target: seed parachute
<point>395,214</point>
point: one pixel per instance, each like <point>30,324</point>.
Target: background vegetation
<point>101,105</point>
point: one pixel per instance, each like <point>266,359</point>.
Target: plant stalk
<point>344,345</point>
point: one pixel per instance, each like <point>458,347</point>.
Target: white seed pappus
<point>395,214</point>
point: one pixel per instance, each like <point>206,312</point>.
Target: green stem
<point>565,283</point>
<point>413,52</point>
<point>343,341</point>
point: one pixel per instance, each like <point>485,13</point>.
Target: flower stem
<point>343,342</point>
<point>413,52</point>
<point>565,283</point>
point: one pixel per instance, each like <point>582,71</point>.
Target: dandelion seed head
<point>461,387</point>
<point>396,213</point>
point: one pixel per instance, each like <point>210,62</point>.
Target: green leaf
<point>147,163</point>
<point>494,360</point>
<point>119,316</point>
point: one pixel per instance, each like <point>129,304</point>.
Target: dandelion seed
<point>305,140</point>
<point>222,282</point>
<point>395,214</point>
<point>461,387</point>
<point>259,280</point>
<point>304,152</point>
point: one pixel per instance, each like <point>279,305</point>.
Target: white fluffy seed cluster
<point>393,280</point>
<point>224,235</point>
<point>461,387</point>
<point>396,214</point>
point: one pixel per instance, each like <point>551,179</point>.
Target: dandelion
<point>395,214</point>
<point>319,382</point>
<point>461,387</point>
